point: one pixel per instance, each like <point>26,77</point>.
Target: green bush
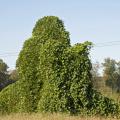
<point>10,98</point>
<point>55,76</point>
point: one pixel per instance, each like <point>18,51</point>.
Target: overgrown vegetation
<point>54,76</point>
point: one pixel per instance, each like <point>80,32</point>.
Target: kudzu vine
<point>54,76</point>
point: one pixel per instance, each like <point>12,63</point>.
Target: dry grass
<point>49,117</point>
<point>107,91</point>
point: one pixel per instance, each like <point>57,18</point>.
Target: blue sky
<point>94,20</point>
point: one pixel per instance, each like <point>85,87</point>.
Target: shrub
<point>10,98</point>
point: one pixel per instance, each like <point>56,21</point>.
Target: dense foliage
<point>54,76</point>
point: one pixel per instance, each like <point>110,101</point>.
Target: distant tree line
<point>110,75</point>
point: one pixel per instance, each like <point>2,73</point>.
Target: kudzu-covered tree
<point>29,64</point>
<point>54,76</point>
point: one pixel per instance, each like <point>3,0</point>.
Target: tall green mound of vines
<point>54,76</point>
<point>29,62</point>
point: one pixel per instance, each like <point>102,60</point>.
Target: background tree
<point>5,79</point>
<point>13,75</point>
<point>111,73</point>
<point>96,78</point>
<point>3,66</point>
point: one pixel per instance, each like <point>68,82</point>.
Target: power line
<point>106,45</point>
<point>103,44</point>
<point>9,53</point>
<point>109,42</point>
<point>8,56</point>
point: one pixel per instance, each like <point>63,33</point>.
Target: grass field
<point>49,117</point>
